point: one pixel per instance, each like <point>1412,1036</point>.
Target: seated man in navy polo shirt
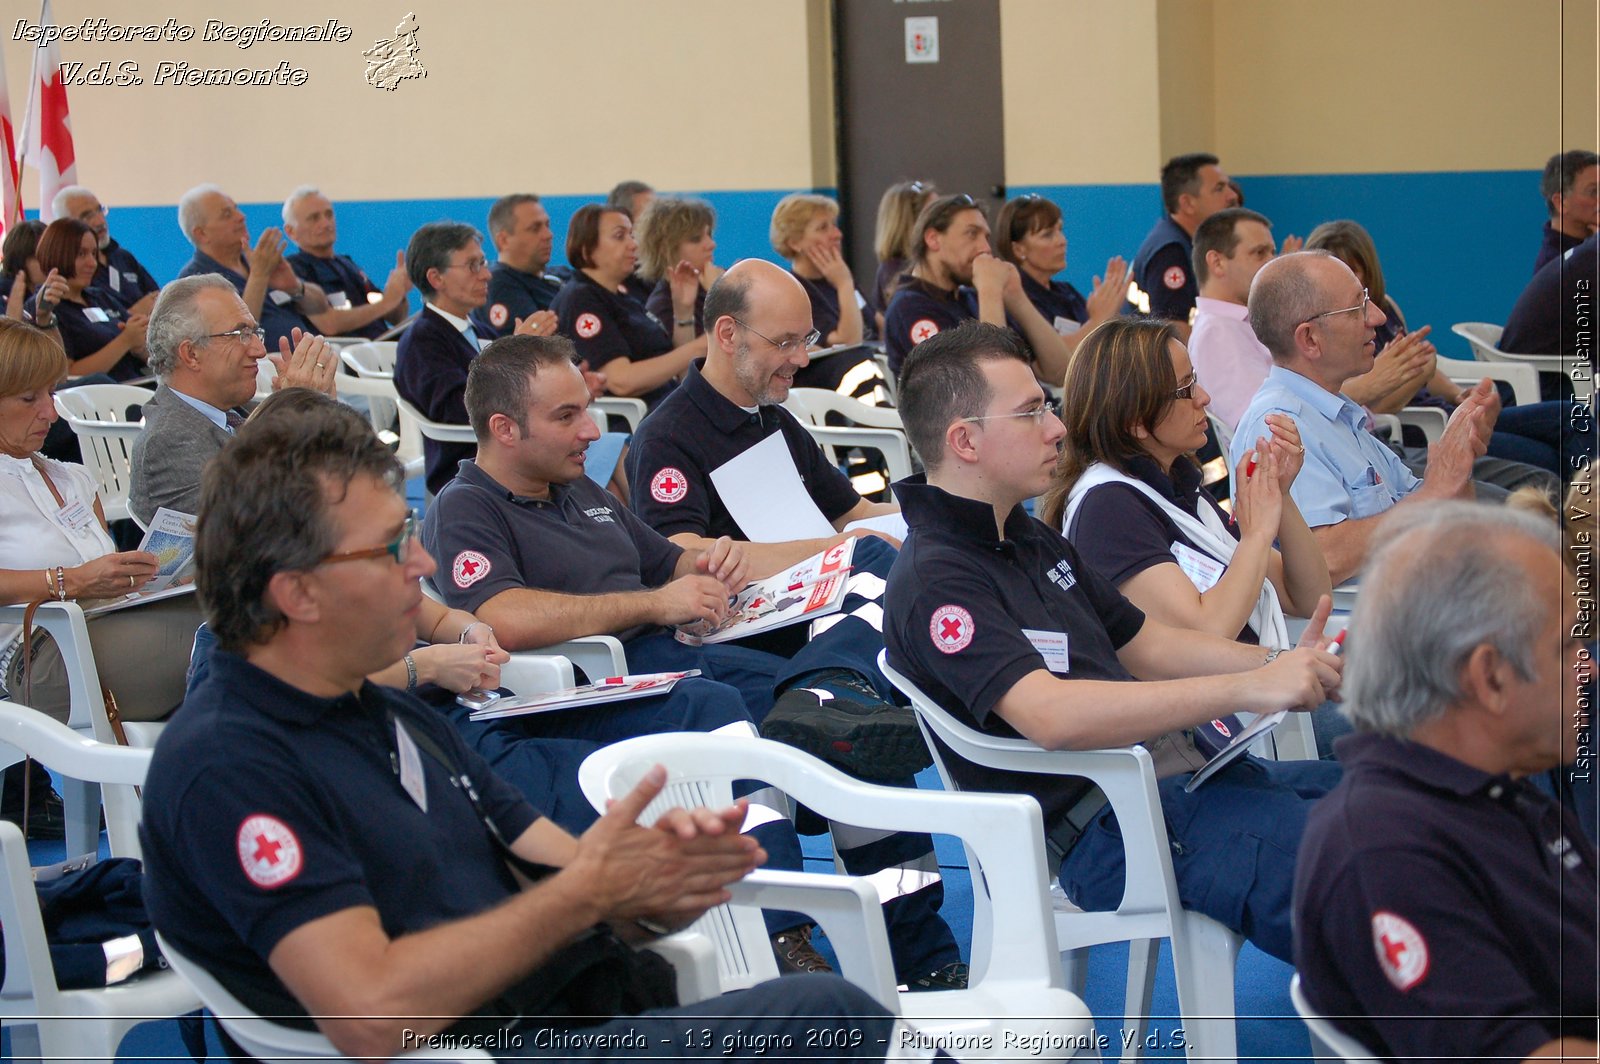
<point>308,220</point>
<point>538,551</point>
<point>119,272</point>
<point>1570,186</point>
<point>1445,906</point>
<point>276,298</point>
<point>950,251</point>
<point>519,287</point>
<point>308,842</point>
<point>996,618</point>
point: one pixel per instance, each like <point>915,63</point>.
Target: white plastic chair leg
<point>81,803</point>
<point>1204,957</point>
<point>1142,955</point>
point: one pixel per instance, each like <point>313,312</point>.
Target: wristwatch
<point>1272,655</point>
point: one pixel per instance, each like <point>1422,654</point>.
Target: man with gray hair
<point>1444,907</point>
<point>272,294</point>
<point>1314,316</point>
<point>204,346</point>
<point>119,272</point>
<point>1570,187</point>
<point>308,220</point>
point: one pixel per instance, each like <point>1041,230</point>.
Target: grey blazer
<point>169,454</point>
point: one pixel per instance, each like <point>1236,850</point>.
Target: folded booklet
<point>1240,745</point>
<point>170,538</point>
<point>814,588</point>
<point>612,689</point>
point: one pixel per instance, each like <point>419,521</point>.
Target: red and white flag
<point>46,127</point>
<point>10,168</point>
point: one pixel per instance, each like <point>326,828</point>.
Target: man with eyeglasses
<point>996,617</point>
<point>204,347</point>
<point>1314,316</point>
<point>275,297</point>
<point>119,272</point>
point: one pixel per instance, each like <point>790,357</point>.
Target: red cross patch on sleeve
<point>587,325</point>
<point>269,853</point>
<point>1402,951</point>
<point>468,568</point>
<point>668,486</point>
<point>498,315</point>
<point>951,629</point>
<point>923,329</point>
<point>1174,277</point>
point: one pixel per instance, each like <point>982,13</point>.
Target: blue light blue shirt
<point>1348,472</point>
<point>218,417</point>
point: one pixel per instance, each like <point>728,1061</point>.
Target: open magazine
<point>814,588</point>
<point>611,689</point>
<point>170,538</point>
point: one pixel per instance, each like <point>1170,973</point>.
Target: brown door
<point>929,120</point>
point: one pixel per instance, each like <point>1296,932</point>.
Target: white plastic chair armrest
<point>28,969</point>
<point>694,961</point>
<point>1430,419</point>
<point>891,443</point>
<point>630,410</point>
<point>597,655</point>
<point>534,674</point>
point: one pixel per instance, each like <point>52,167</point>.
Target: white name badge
<point>1052,646</point>
<point>76,516</point>
<point>1202,571</point>
<point>861,300</point>
<point>1066,326</point>
<point>114,279</point>
<point>96,314</point>
<point>338,300</point>
<point>410,767</point>
<point>280,297</point>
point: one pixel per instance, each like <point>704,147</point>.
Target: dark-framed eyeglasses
<point>398,548</point>
<point>786,347</point>
<point>1049,406</point>
<point>477,265</point>
<point>1361,306</point>
<point>1186,389</point>
<point>243,334</point>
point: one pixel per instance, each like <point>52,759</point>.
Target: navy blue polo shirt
<point>697,430</point>
<point>1164,272</point>
<point>605,325</point>
<point>279,319</point>
<point>123,275</point>
<point>1443,912</point>
<point>1553,244</point>
<point>346,284</point>
<point>1554,315</point>
<point>919,310</point>
<point>579,541</point>
<point>513,295</point>
<point>87,328</point>
<point>659,304</point>
<point>1058,301</point>
<point>267,808</point>
<point>960,607</point>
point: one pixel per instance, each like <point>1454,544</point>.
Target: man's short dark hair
<point>1181,175</point>
<point>503,214</point>
<point>622,193</point>
<point>1220,233</point>
<point>497,383</point>
<point>728,297</point>
<point>942,381</point>
<point>1561,172</point>
<point>264,509</point>
<point>431,248</point>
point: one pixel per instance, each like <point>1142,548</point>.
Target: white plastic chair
<point>1016,986</point>
<point>373,362</point>
<point>1326,1039</point>
<point>628,409</point>
<point>273,1043</point>
<point>98,414</point>
<point>1203,951</point>
<point>597,655</point>
<point>1523,379</point>
<point>1485,341</point>
<point>875,429</point>
<point>45,1020</point>
<point>437,431</point>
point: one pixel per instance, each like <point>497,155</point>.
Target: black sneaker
<point>952,976</point>
<point>796,955</point>
<point>837,716</point>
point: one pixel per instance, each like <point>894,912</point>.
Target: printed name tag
<point>861,300</point>
<point>114,278</point>
<point>1052,646</point>
<point>410,767</point>
<point>338,300</point>
<point>1204,572</point>
<point>96,314</point>
<point>1066,326</point>
<point>76,517</point>
<point>280,297</point>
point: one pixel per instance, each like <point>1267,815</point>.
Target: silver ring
<point>319,365</point>
<point>131,582</point>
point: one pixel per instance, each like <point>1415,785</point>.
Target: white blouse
<point>35,532</point>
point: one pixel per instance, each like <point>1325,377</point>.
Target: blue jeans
<point>1233,846</point>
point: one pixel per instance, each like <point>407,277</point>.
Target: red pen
<point>1337,646</point>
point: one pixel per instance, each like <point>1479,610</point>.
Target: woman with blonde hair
<point>674,231</point>
<point>891,240</point>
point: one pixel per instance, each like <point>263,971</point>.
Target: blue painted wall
<point>1490,220</point>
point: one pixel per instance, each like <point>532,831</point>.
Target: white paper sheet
<point>889,524</point>
<point>763,492</point>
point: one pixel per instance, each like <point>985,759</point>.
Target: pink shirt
<point>1230,362</point>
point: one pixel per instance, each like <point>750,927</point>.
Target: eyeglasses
<point>1186,389</point>
<point>787,347</point>
<point>1049,406</point>
<point>89,212</point>
<point>1361,306</point>
<point>399,548</point>
<point>471,265</point>
<point>243,335</point>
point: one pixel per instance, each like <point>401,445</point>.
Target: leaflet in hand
<point>814,588</point>
<point>171,539</point>
<point>1241,743</point>
<point>612,689</point>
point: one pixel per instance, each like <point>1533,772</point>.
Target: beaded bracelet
<point>61,583</point>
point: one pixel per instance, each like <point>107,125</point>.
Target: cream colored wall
<point>1580,74</point>
<point>1186,46</point>
<point>1080,87</point>
<point>560,96</point>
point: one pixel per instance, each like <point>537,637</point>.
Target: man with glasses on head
<point>995,616</point>
<point>119,272</point>
<point>204,347</point>
<point>1311,312</point>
